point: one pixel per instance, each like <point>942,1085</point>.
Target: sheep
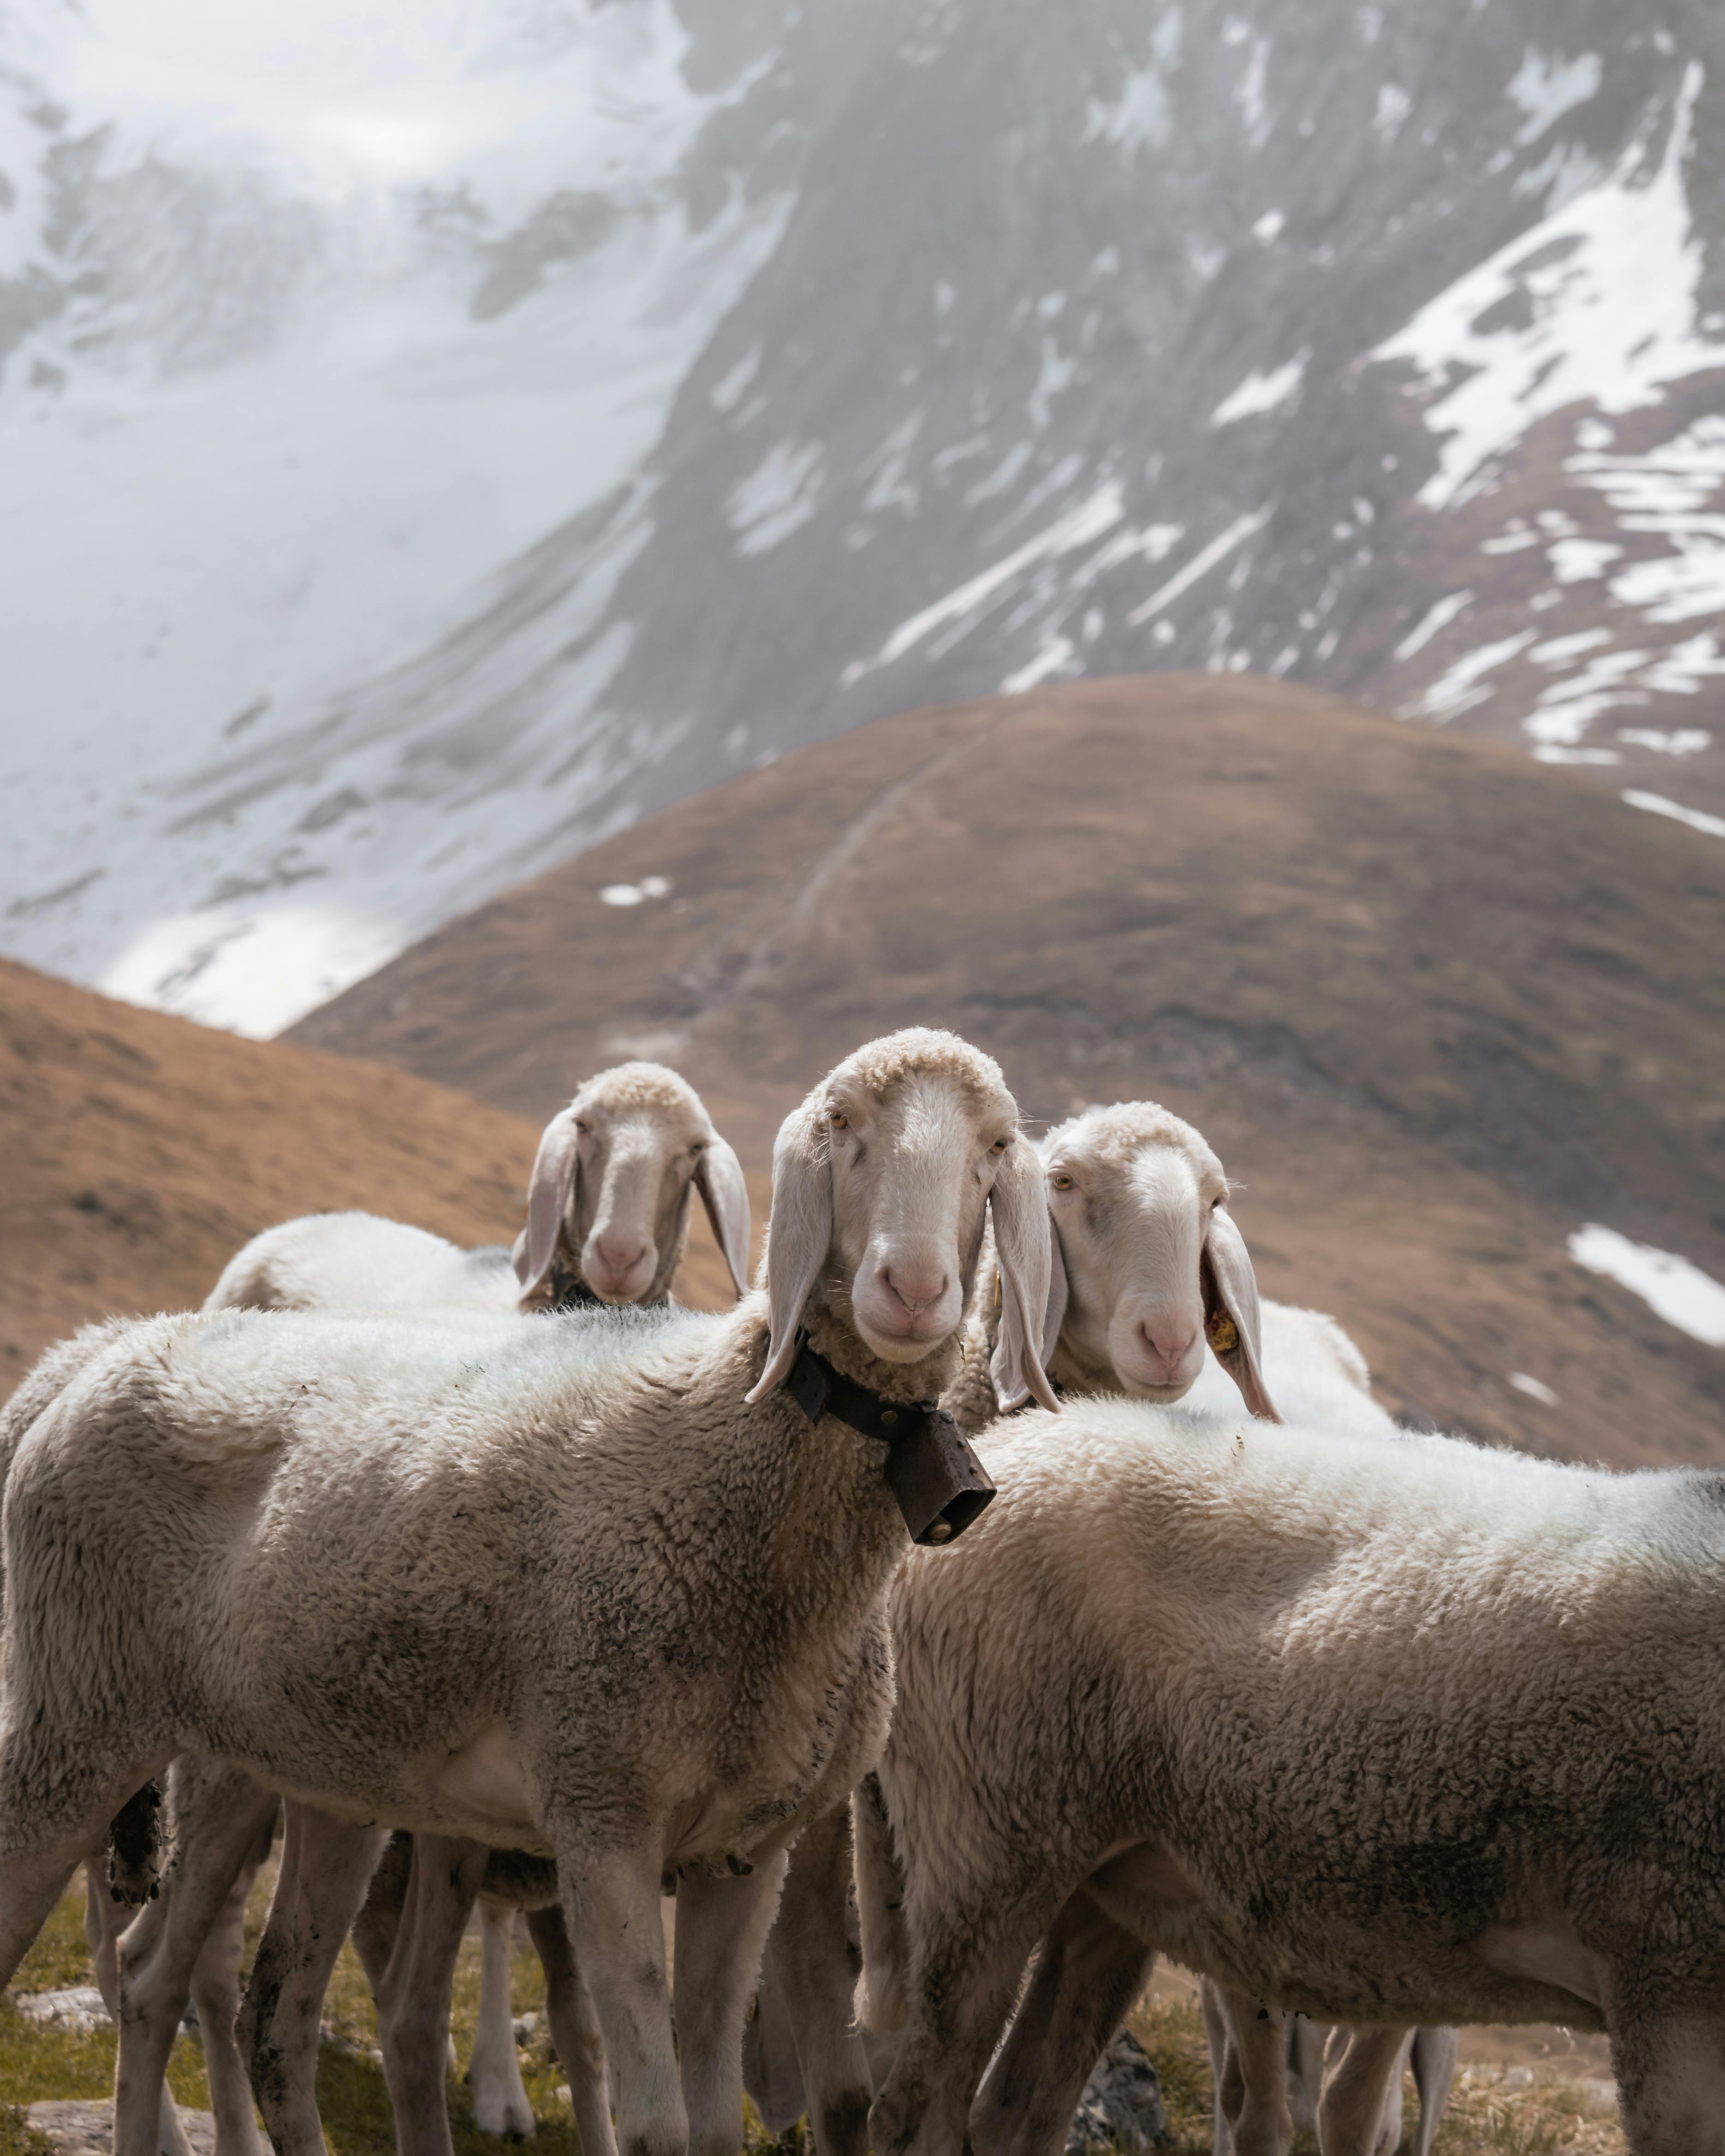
<point>607,1221</point>
<point>1137,1195</point>
<point>1382,1731</point>
<point>610,1593</point>
<point>1146,1265</point>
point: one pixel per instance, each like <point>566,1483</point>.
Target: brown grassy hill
<point>1437,1006</point>
<point>141,1151</point>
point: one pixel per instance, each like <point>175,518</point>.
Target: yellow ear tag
<point>1222,1333</point>
<point>997,1290</point>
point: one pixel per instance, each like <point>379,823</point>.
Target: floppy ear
<point>718,1177</point>
<point>1059,1289</point>
<point>555,1167</point>
<point>799,1232</point>
<point>1022,1238</point>
<point>1230,1310</point>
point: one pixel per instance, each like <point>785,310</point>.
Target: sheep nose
<point>619,1255</point>
<point>1167,1343</point>
<point>916,1288</point>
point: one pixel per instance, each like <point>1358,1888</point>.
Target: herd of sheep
<point>504,1581</point>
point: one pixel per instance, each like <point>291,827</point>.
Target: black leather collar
<point>940,1484</point>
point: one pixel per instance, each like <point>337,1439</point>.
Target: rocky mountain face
<point>1380,347</point>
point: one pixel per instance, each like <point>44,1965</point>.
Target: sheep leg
<point>1307,2042</point>
<point>965,1974</point>
<point>1434,2063</point>
<point>215,1994</point>
<point>494,2072</point>
<point>611,1905</point>
<point>575,2032</point>
<point>882,1997</point>
<point>1253,2089</point>
<point>1088,1971</point>
<point>412,1990</point>
<point>217,1827</point>
<point>1359,2080</point>
<point>1215,2037</point>
<point>105,1920</point>
<point>325,1864</point>
<point>1671,2081</point>
<point>721,1929</point>
<point>807,1974</point>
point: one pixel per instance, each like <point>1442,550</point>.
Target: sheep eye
<point>582,1130</point>
<point>1061,1180</point>
<point>837,1118</point>
<point>1000,1146</point>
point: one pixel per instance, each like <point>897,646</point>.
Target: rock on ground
<point>1122,2106</point>
<point>86,2128</point>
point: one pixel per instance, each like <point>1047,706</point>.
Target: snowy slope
<point>923,350</point>
<point>276,397</point>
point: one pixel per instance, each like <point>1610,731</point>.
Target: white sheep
<point>1139,1202</point>
<point>1384,1731</point>
<point>1147,1265</point>
<point>607,1221</point>
<point>595,1588</point>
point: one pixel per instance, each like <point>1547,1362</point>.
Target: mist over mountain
<point>852,359</point>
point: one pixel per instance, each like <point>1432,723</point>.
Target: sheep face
<point>614,1175</point>
<point>1153,1263</point>
<point>881,1183</point>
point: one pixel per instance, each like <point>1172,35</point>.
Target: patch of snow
<point>1199,567</point>
<point>1440,617</point>
<point>1270,227</point>
<point>727,392</point>
<point>1515,539</point>
<point>1078,528</point>
<point>1655,805</point>
<point>260,972</point>
<point>1138,119</point>
<point>1058,654</point>
<point>1580,561</point>
<point>778,498</point>
<point>1534,1390</point>
<point>1393,107</point>
<point>1546,88</point>
<point>1261,393</point>
<point>1688,741</point>
<point>1612,279</point>
<point>1458,689</point>
<point>1679,1292</point>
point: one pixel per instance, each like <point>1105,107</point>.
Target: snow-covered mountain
<point>840,360</point>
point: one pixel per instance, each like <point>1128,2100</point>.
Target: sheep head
<point>616,1172</point>
<point>882,1180</point>
<point>1153,1264</point>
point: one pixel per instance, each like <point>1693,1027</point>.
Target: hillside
<point>621,395</point>
<point>1437,1006</point>
<point>141,1152</point>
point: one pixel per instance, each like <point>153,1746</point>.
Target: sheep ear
<point>555,1167</point>
<point>1059,1289</point>
<point>1230,1310</point>
<point>799,1234</point>
<point>1022,1239</point>
<point>718,1177</point>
